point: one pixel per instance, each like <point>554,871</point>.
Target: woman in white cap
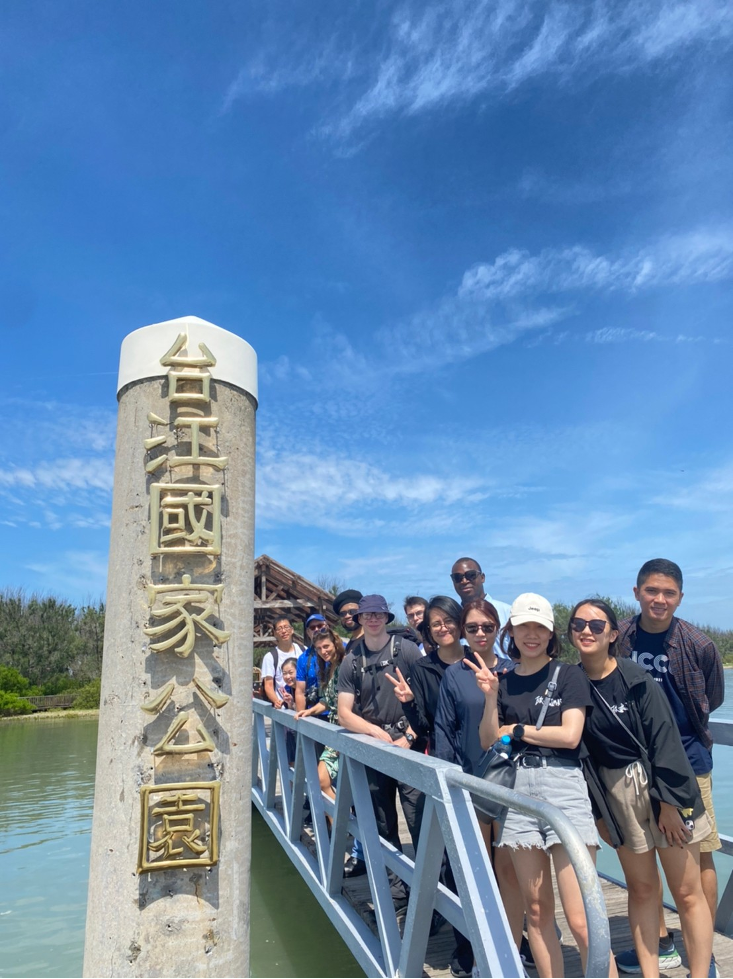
<point>541,705</point>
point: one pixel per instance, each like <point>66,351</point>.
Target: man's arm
<point>357,725</point>
<point>270,692</point>
<point>711,665</point>
<point>300,694</point>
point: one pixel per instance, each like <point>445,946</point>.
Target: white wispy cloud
<point>312,489</point>
<point>710,490</point>
<point>429,55</point>
<point>702,256</point>
<point>80,572</point>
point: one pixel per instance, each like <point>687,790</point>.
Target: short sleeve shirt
<point>520,701</point>
<point>605,738</point>
<point>366,679</point>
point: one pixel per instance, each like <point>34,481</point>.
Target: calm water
<point>46,795</point>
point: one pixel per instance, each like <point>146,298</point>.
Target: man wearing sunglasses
<point>468,580</point>
<point>345,605</point>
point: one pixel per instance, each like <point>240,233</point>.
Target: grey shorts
<point>564,788</point>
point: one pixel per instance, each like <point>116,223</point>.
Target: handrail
<point>722,733</point>
<point>449,822</point>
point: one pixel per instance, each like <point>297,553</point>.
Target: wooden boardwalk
<point>441,945</point>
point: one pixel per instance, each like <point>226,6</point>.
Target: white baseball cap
<point>532,608</point>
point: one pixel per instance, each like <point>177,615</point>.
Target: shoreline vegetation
<point>49,646</point>
<point>50,715</point>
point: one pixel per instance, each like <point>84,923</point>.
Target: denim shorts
<point>564,788</point>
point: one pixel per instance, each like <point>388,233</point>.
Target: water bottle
<point>503,747</point>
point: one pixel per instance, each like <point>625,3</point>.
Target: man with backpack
<point>367,705</point>
<point>273,684</point>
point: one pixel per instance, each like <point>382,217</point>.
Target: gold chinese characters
<point>179,821</point>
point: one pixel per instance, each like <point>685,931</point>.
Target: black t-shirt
<point>606,740</point>
<point>520,701</point>
<point>651,652</point>
<point>374,697</point>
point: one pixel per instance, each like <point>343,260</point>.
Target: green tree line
<point>48,646</point>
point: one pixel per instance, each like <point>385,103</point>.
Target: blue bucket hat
<point>373,603</point>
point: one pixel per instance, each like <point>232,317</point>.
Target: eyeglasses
<point>596,626</point>
<point>316,629</point>
<point>443,624</point>
<point>457,577</point>
<point>348,612</point>
<point>488,628</point>
<point>373,615</point>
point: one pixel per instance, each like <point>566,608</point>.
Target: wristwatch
<point>409,738</point>
<point>518,732</point>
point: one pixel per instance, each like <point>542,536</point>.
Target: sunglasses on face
<point>596,626</point>
<point>457,577</point>
<point>488,628</point>
<point>316,629</point>
<point>347,612</point>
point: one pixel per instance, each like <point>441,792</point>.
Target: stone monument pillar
<point>169,875</point>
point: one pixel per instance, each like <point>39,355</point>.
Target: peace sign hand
<point>401,687</point>
<point>488,682</point>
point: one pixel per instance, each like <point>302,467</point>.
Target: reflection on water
<point>46,797</point>
<point>46,792</point>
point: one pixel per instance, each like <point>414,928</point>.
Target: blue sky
<point>484,252</point>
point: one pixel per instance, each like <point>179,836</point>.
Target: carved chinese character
<point>167,745</point>
<point>185,518</point>
<point>213,697</point>
<point>195,423</point>
<point>174,608</point>
<point>179,826</point>
<point>190,384</point>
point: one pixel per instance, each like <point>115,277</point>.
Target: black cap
<point>345,598</point>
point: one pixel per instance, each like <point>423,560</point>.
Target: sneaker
<point>461,961</point>
<point>669,957</point>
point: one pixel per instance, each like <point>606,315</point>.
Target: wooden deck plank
<point>440,946</point>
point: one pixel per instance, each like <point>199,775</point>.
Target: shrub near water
<point>88,696</point>
<point>11,704</point>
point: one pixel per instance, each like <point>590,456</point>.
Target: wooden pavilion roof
<point>278,590</point>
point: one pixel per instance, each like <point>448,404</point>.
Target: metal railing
<point>722,732</point>
<point>448,822</point>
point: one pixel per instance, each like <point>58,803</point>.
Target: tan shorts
<point>712,840</point>
<point>628,799</point>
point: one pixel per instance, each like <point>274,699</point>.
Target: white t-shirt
<point>268,666</point>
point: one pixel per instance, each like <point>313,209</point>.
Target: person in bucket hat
<point>367,705</point>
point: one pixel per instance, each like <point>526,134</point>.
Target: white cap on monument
<point>236,360</point>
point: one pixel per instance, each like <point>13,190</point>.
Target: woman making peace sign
<point>549,770</point>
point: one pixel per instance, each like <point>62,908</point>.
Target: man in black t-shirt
<point>367,705</point>
<point>687,665</point>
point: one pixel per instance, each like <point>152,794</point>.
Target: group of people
<point>619,742</point>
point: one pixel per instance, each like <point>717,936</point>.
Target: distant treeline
<point>48,646</point>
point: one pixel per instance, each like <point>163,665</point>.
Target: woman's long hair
<point>326,670</point>
<point>448,606</point>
